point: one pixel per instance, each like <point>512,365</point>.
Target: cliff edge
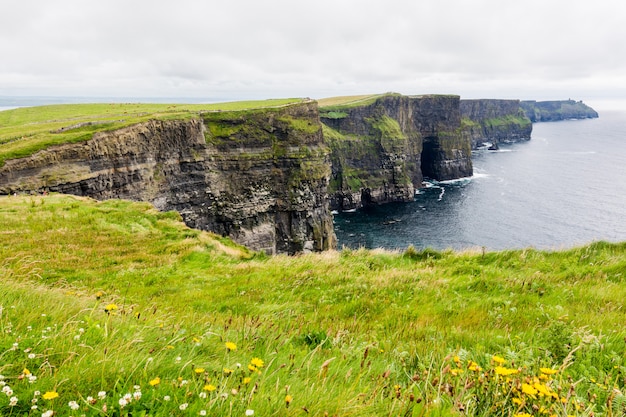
<point>383,147</point>
<point>549,111</point>
<point>258,176</point>
<point>489,122</point>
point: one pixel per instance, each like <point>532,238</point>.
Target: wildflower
<point>48,413</point>
<point>110,308</point>
<point>500,370</point>
<point>196,340</point>
<point>209,387</point>
<point>7,390</point>
<point>517,401</point>
<point>456,372</point>
<point>497,359</point>
<point>247,380</point>
<point>99,295</point>
<point>456,359</point>
<point>90,400</point>
<point>288,399</point>
<point>199,370</point>
<point>202,395</point>
<point>473,366</point>
<point>183,406</point>
<point>178,359</point>
<point>202,412</point>
<point>25,371</point>
<point>167,398</point>
<point>548,371</point>
<point>137,395</point>
<point>230,346</point>
<point>249,412</point>
<point>13,401</point>
<point>122,402</point>
<point>31,356</point>
<point>73,405</point>
<point>227,371</point>
<point>50,395</point>
<point>154,382</point>
<point>522,415</point>
<point>257,362</point>
<point>102,395</point>
<point>529,390</point>
<point>169,347</point>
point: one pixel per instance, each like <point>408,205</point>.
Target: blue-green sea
<point>565,187</point>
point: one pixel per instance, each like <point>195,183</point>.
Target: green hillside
<point>114,309</point>
<point>24,131</point>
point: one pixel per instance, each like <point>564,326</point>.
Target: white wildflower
<point>73,405</point>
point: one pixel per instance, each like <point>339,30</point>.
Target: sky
<point>209,50</point>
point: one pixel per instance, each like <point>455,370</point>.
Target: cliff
<point>548,111</point>
<point>381,149</point>
<point>258,176</point>
<point>494,122</point>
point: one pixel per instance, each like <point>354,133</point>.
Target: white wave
<point>334,212</point>
<point>443,191</point>
<point>463,180</point>
<point>479,175</point>
<point>349,211</point>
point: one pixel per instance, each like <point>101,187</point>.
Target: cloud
<point>242,49</point>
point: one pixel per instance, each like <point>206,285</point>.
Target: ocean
<point>565,187</point>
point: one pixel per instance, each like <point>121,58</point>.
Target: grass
<point>24,131</point>
<point>121,310</point>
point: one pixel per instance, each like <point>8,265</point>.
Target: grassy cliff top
<point>116,298</point>
<point>24,131</point>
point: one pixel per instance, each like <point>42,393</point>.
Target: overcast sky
<point>242,49</point>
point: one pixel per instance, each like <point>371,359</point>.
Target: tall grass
<point>116,298</point>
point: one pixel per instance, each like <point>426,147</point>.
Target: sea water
<point>565,187</point>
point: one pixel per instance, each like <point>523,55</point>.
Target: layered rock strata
<point>549,111</point>
<point>382,150</point>
<point>258,176</point>
<point>488,122</point>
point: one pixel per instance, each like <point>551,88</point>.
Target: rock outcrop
<point>381,150</point>
<point>258,176</point>
<point>488,122</point>
<point>549,111</point>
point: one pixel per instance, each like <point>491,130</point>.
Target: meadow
<point>114,309</point>
<point>26,130</point>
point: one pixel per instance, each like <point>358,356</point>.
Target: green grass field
<point>114,309</point>
<point>24,131</point>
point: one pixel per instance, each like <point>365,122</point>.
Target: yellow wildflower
<point>227,371</point>
<point>497,359</point>
<point>26,371</point>
<point>50,395</point>
<point>247,380</point>
<point>99,295</point>
<point>154,382</point>
<point>110,308</point>
<point>257,362</point>
<point>288,400</point>
<point>529,390</point>
<point>252,368</point>
<point>199,370</point>
<point>456,359</point>
<point>517,401</point>
<point>230,346</point>
<point>548,371</point>
<point>522,415</point>
<point>209,387</point>
<point>456,372</point>
<point>473,366</point>
<point>169,347</point>
<point>500,370</point>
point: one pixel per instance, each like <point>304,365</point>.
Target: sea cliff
<point>550,111</point>
<point>488,122</point>
<point>257,176</point>
<point>381,149</point>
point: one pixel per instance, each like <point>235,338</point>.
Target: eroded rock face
<point>494,122</point>
<point>549,111</point>
<point>259,177</point>
<point>382,151</point>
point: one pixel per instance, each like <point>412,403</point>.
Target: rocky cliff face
<point>548,111</point>
<point>259,177</point>
<point>382,150</point>
<point>494,122</point>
